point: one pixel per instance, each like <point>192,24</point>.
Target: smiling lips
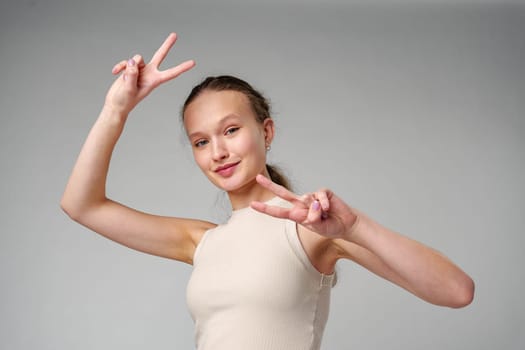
<point>226,169</point>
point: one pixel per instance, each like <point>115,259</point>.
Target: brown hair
<point>258,103</point>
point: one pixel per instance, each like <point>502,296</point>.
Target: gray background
<point>413,112</point>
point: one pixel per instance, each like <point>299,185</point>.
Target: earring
<point>268,147</point>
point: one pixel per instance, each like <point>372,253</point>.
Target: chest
<point>252,268</point>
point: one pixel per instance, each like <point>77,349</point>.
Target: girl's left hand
<point>321,211</point>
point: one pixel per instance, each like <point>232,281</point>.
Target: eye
<point>200,143</point>
<point>231,130</point>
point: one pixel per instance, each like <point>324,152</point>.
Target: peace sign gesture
<point>322,211</point>
<point>138,79</point>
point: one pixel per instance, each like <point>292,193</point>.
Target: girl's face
<point>228,143</point>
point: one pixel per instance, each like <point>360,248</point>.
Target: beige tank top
<point>253,287</point>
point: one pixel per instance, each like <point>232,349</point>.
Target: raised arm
<point>84,198</point>
<point>353,235</point>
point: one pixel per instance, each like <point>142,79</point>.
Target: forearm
<point>421,270</point>
<point>87,183</point>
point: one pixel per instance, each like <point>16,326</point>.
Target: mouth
<point>226,169</point>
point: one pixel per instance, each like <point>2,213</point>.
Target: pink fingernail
<point>131,62</point>
<point>316,205</point>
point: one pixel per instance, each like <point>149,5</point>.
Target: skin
<point>223,131</point>
<point>229,146</point>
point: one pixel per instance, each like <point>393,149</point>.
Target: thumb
<point>131,74</point>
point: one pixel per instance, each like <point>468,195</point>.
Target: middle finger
<point>163,50</point>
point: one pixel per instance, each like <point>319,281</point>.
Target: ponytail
<point>277,176</point>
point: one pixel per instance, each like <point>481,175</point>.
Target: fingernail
<point>131,62</point>
<point>316,205</point>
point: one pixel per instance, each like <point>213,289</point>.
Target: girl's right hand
<point>139,79</point>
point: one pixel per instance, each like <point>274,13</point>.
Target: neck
<point>242,197</point>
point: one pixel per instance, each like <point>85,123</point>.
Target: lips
<point>226,169</point>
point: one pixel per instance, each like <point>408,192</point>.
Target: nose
<point>219,151</point>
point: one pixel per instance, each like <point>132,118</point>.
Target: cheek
<point>253,143</point>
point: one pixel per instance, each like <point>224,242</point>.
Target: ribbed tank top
<point>253,286</point>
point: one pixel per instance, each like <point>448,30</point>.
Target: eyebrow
<point>221,121</point>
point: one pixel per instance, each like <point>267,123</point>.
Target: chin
<point>229,187</point>
<point>231,184</point>
<point>224,184</point>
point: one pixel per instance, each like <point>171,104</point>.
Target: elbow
<point>70,208</point>
<point>67,208</point>
<point>464,294</point>
<point>79,209</point>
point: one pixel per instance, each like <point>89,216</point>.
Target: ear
<point>269,130</point>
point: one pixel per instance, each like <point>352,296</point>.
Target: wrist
<point>353,227</point>
<point>112,113</point>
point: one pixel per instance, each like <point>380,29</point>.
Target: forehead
<point>212,106</point>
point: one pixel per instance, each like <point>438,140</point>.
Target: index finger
<point>174,72</point>
<point>271,210</point>
<point>278,190</point>
<point>163,50</point>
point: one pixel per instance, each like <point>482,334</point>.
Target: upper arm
<point>169,237</point>
<point>369,261</point>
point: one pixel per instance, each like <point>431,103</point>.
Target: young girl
<point>262,280</point>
